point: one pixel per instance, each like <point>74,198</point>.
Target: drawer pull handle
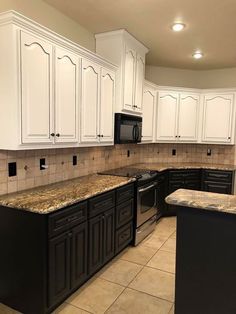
<point>218,175</point>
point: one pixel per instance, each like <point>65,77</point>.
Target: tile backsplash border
<point>96,159</point>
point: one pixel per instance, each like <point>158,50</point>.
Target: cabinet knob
<point>52,134</point>
<point>58,135</point>
<point>229,138</point>
<point>102,135</point>
<point>179,135</point>
<point>99,135</point>
<point>176,135</point>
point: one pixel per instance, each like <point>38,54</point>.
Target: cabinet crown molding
<point>124,34</point>
<point>19,20</point>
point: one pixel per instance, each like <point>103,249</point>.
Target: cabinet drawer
<point>125,193</point>
<point>217,187</point>
<point>101,203</point>
<point>218,175</point>
<point>184,174</point>
<point>124,213</point>
<point>67,218</point>
<point>124,236</point>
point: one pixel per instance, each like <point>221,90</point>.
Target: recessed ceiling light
<point>197,55</point>
<point>177,27</point>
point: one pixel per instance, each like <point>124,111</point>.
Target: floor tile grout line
<point>77,307</point>
<point>151,295</point>
<point>115,299</point>
<point>165,271</point>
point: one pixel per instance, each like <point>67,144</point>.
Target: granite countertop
<point>49,198</point>
<point>203,200</point>
<point>180,165</point>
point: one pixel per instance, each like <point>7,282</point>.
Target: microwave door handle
<point>133,133</point>
<point>137,136</point>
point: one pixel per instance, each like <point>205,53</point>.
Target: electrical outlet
<point>12,171</point>
<point>128,153</point>
<point>173,152</point>
<point>208,152</point>
<point>74,160</point>
<point>42,163</point>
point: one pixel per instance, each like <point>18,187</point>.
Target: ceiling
<point>211,27</point>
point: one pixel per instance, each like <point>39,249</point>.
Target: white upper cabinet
<point>107,106</point>
<point>90,102</point>
<point>188,117</point>
<point>36,89</point>
<point>98,95</point>
<point>129,78</point>
<point>128,53</point>
<point>218,118</point>
<point>167,110</point>
<point>177,116</point>
<point>66,96</point>
<point>149,104</point>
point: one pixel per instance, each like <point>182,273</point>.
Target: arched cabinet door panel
<point>66,96</point>
<point>218,118</point>
<point>129,78</point>
<point>140,69</point>
<point>167,115</point>
<point>90,102</point>
<point>107,105</point>
<point>188,117</point>
<point>149,102</point>
<point>36,89</point>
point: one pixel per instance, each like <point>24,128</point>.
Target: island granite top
<point>203,200</point>
<point>49,198</point>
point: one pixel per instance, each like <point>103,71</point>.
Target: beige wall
<point>223,78</point>
<point>46,15</point>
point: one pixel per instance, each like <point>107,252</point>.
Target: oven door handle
<point>147,188</point>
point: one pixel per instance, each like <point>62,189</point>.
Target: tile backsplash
<point>94,159</point>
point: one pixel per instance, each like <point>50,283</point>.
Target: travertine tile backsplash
<point>94,159</point>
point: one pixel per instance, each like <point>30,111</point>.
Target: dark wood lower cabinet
<point>67,262</point>
<point>79,255</point>
<point>59,268</point>
<point>95,243</point>
<point>109,235</point>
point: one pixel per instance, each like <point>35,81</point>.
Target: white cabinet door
<point>90,102</point>
<point>107,105</point>
<point>129,78</point>
<point>218,112</point>
<point>66,96</point>
<point>139,74</point>
<point>36,89</point>
<point>188,117</point>
<point>149,102</point>
<point>167,110</point>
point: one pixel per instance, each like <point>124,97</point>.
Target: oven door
<point>146,202</point>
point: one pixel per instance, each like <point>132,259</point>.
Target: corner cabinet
<point>129,54</point>
<point>149,107</point>
<point>218,123</point>
<point>98,96</point>
<point>177,117</point>
<point>54,93</point>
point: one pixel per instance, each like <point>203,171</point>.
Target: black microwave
<point>128,129</point>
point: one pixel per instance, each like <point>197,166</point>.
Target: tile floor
<point>140,280</point>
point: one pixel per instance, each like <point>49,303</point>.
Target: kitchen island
<point>205,253</point>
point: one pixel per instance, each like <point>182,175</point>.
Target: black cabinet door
<point>59,268</point>
<point>109,235</point>
<point>161,195</point>
<point>193,185</point>
<point>95,243</point>
<point>79,255</point>
<point>217,187</point>
<point>173,186</point>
